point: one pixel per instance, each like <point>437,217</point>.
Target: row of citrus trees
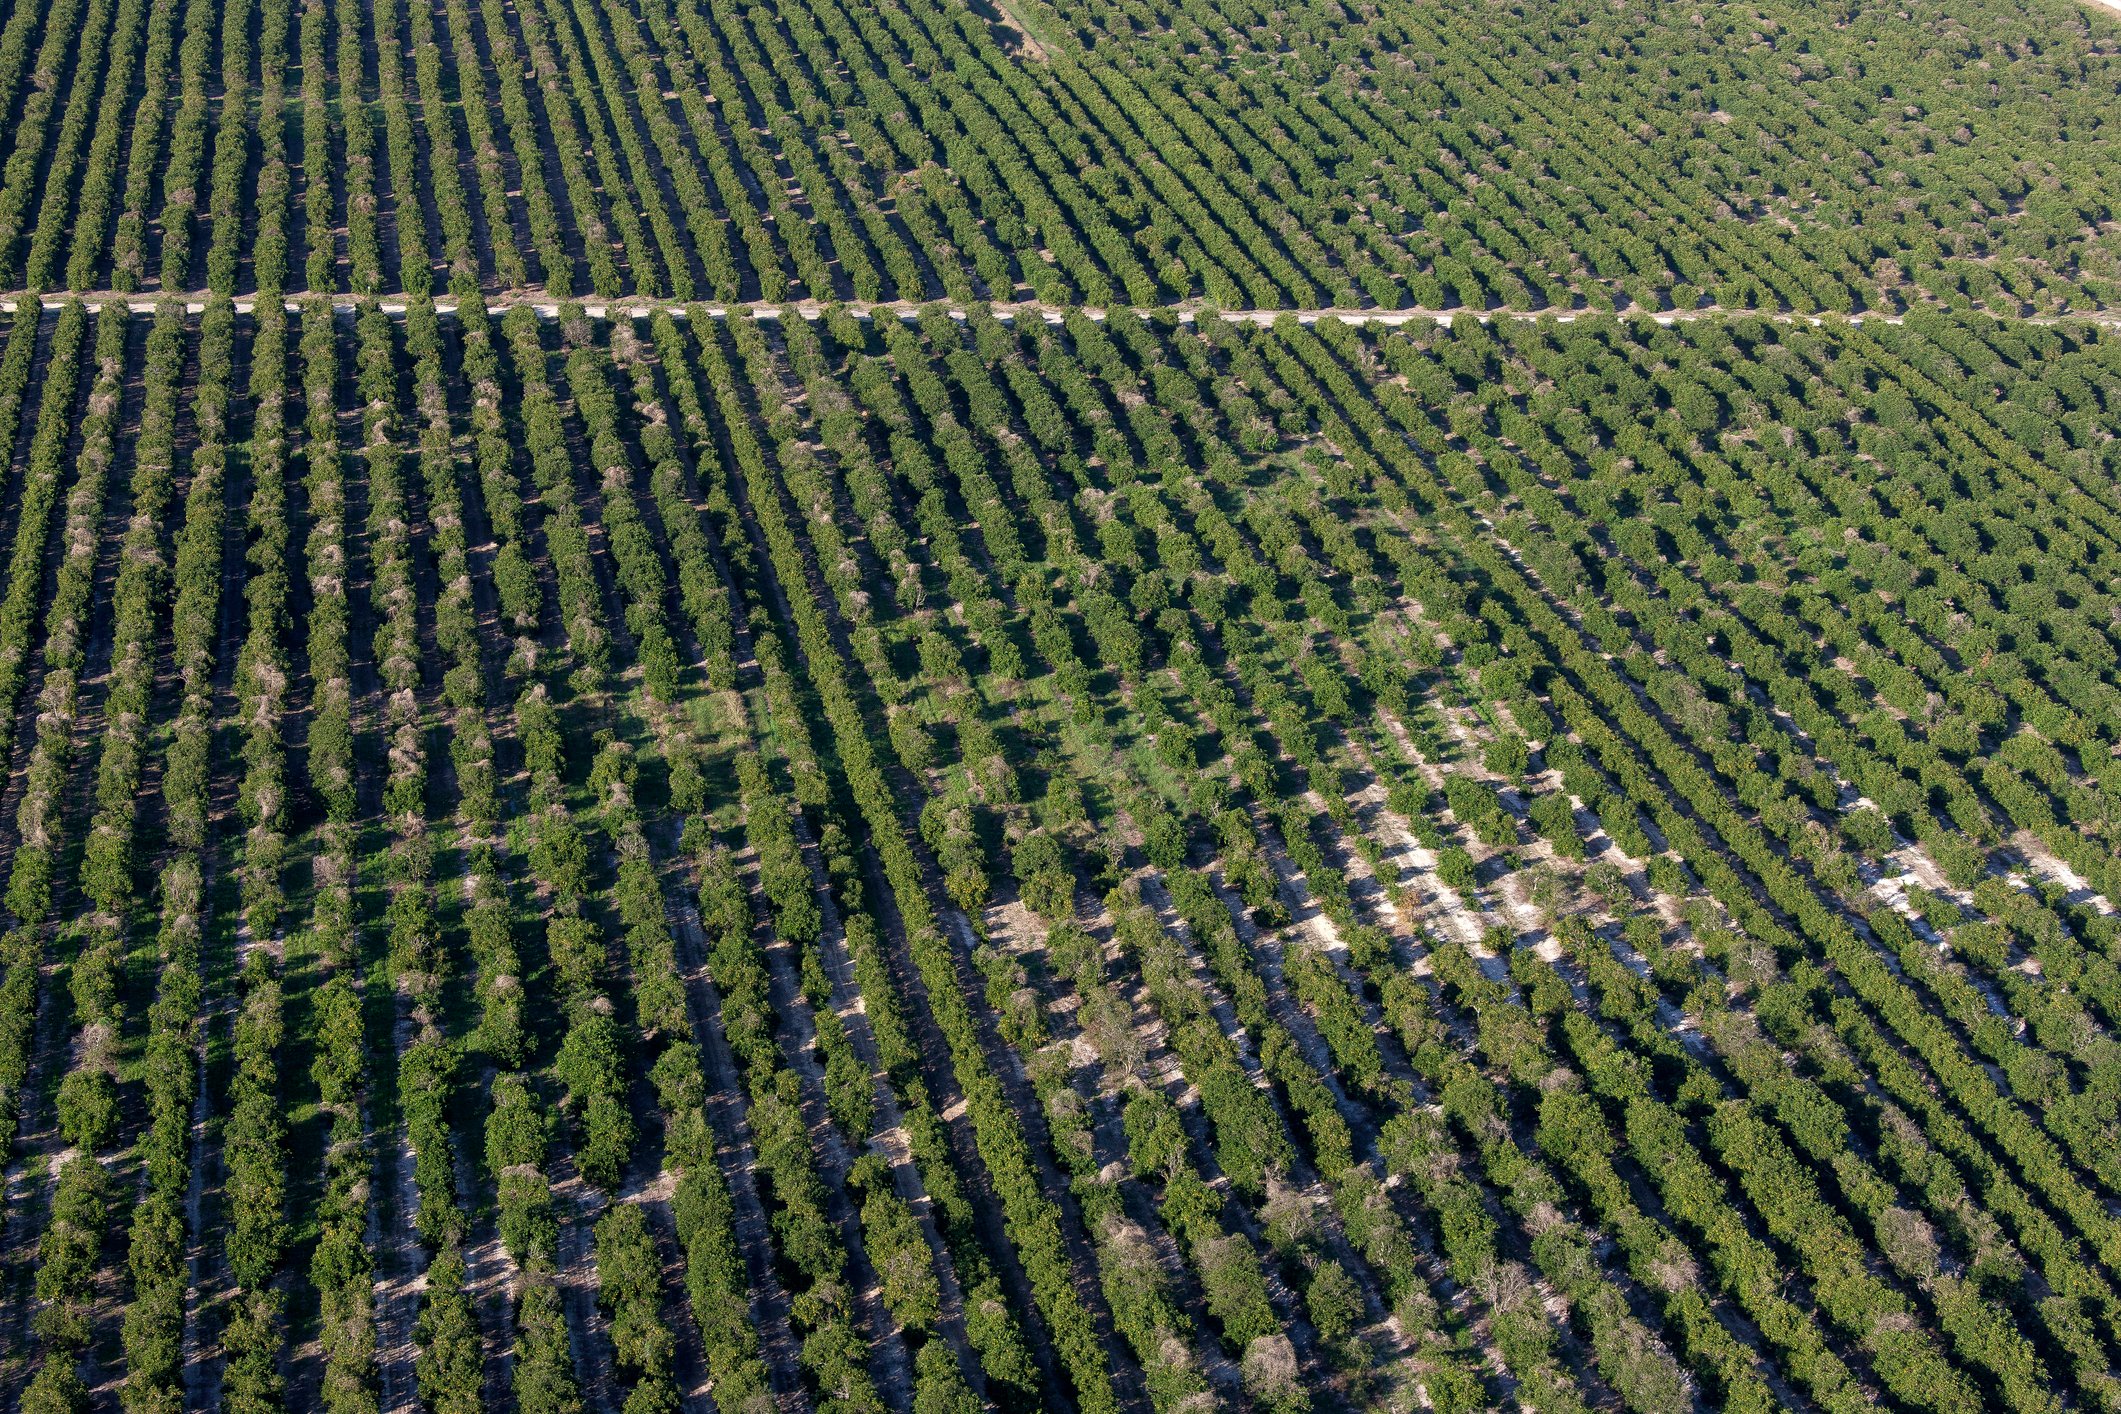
<point>1963,1324</point>
<point>1609,742</point>
<point>762,168</point>
<point>1157,196</point>
<point>1149,687</point>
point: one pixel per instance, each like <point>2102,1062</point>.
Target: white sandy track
<point>641,308</point>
